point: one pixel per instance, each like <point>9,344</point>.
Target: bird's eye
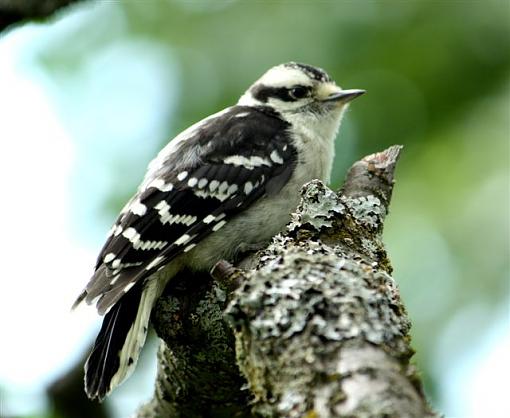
<point>299,92</point>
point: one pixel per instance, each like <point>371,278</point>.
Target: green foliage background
<point>437,78</point>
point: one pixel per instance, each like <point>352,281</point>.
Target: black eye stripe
<point>263,93</point>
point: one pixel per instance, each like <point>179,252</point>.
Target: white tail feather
<point>137,334</point>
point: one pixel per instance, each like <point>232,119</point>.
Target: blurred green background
<point>126,76</point>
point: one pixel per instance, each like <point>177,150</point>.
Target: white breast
<point>315,140</point>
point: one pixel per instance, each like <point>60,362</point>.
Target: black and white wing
<point>203,178</point>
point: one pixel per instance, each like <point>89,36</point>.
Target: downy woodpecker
<point>226,183</point>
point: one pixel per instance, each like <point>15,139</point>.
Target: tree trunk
<point>313,326</point>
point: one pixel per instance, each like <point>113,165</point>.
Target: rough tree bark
<point>313,326</point>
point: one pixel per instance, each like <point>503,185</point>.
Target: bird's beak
<point>330,92</point>
<point>343,96</point>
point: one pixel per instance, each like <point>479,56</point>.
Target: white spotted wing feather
<point>192,189</point>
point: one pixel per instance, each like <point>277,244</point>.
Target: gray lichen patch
<point>293,315</point>
<point>349,223</point>
<point>318,206</point>
<point>336,298</point>
<point>369,247</point>
<point>366,210</point>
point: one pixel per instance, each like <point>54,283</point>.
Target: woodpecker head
<point>295,89</point>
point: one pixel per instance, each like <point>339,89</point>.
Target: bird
<point>225,184</point>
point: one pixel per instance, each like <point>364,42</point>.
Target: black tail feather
<point>104,360</point>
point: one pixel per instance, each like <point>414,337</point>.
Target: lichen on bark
<point>319,329</point>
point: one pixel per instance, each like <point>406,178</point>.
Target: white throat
<point>314,137</point>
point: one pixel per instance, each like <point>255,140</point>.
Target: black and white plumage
<point>227,183</point>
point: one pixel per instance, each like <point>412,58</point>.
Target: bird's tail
<point>120,340</point>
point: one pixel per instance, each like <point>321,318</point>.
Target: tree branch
<point>319,327</point>
<point>16,11</point>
